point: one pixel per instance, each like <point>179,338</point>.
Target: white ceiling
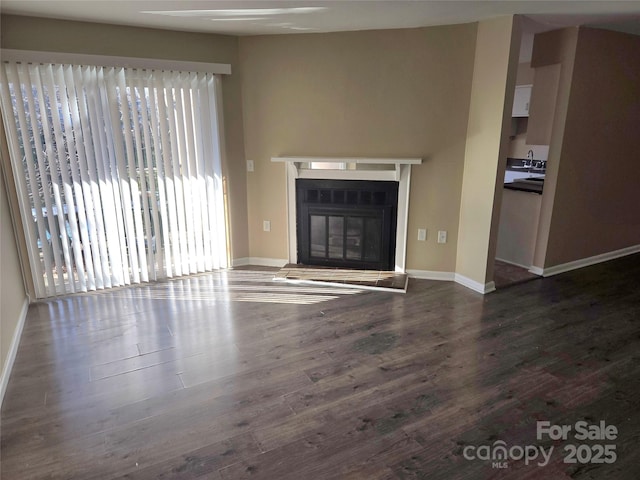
<point>276,17</point>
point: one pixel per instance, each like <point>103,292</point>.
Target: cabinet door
<point>521,99</point>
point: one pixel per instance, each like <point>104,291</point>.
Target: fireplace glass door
<point>347,223</point>
<point>346,237</point>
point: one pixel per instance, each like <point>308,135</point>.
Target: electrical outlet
<point>249,165</point>
<point>422,234</point>
<point>266,225</point>
<point>442,236</point>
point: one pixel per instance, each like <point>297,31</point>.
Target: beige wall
<point>524,75</point>
<point>542,106</point>
<point>12,291</point>
<point>519,148</point>
<point>519,216</point>
<point>597,197</point>
<point>497,48</point>
<point>549,48</point>
<point>393,93</point>
<point>29,33</point>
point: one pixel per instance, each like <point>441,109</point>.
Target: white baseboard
<point>240,262</point>
<point>13,350</point>
<point>431,275</point>
<point>473,285</point>
<point>259,261</point>
<point>585,262</point>
<point>536,270</point>
<point>453,277</point>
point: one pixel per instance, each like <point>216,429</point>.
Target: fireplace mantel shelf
<point>395,173</point>
<point>359,160</point>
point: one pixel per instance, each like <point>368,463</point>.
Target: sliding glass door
<point>118,173</point>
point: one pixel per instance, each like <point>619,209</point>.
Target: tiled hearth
<point>368,279</point>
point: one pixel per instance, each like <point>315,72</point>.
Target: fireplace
<point>371,170</point>
<point>346,223</point>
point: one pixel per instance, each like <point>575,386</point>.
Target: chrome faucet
<point>529,162</point>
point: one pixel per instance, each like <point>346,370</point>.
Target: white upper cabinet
<point>521,100</point>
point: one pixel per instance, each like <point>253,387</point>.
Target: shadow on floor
<point>506,275</point>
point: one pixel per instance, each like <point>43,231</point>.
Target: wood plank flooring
<point>505,274</point>
<point>232,376</point>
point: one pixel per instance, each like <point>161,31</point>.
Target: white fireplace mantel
<point>401,173</point>
<point>297,162</point>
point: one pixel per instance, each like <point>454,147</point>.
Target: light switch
<point>266,225</point>
<point>422,234</point>
<point>249,165</point>
<point>442,236</point>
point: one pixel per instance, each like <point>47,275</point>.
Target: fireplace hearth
<point>346,223</point>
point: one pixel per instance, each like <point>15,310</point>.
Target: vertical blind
<point>118,173</point>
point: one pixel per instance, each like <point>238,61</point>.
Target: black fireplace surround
<point>347,223</point>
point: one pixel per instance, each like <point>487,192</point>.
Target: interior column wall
<point>595,211</point>
<point>495,66</point>
<point>549,48</point>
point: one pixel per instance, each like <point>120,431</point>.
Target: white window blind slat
<point>90,172</point>
<point>89,235</point>
<point>162,238</point>
<point>134,161</point>
<point>65,153</point>
<point>137,113</point>
<point>217,198</point>
<point>75,139</point>
<point>110,184</point>
<point>180,262</point>
<point>61,185</point>
<point>48,173</point>
<point>37,233</point>
<point>202,217</point>
<point>185,177</point>
<point>117,182</point>
<point>166,98</point>
<point>128,180</point>
<point>196,186</point>
<point>102,166</point>
<point>156,192</point>
<point>206,102</point>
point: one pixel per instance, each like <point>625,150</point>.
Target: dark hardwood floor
<point>506,274</point>
<point>232,376</point>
